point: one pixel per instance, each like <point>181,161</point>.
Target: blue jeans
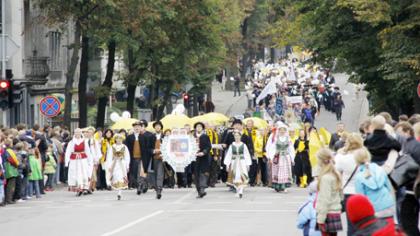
<point>1,191</point>
<point>24,187</point>
<point>34,185</point>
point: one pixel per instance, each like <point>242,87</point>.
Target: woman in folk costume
<point>281,153</point>
<point>238,160</point>
<point>79,160</point>
<point>118,163</point>
<point>302,168</point>
<point>106,144</point>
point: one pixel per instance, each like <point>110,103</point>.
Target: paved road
<point>260,212</point>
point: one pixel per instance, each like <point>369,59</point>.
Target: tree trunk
<point>195,105</point>
<point>166,100</point>
<point>71,69</point>
<point>84,67</point>
<point>155,97</point>
<point>106,85</point>
<point>132,83</point>
<point>209,93</point>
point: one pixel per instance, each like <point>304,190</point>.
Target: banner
<point>294,99</point>
<point>179,149</point>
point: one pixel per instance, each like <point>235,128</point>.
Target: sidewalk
<point>226,103</point>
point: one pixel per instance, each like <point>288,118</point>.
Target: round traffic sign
<point>50,106</point>
<point>418,90</point>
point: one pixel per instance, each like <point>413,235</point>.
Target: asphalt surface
<point>261,211</point>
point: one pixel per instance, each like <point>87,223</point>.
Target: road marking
<point>181,199</point>
<point>230,211</point>
<point>210,203</point>
<point>260,203</point>
<point>131,224</point>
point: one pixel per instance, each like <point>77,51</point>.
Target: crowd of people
<point>269,85</point>
<point>366,176</point>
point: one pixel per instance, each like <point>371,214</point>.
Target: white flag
<point>270,88</point>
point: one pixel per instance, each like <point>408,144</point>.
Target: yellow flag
<point>314,145</point>
<point>325,135</point>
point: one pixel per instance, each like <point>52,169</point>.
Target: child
<point>35,175</point>
<point>11,164</point>
<point>50,168</point>
<point>307,214</point>
<point>118,162</point>
<point>328,203</point>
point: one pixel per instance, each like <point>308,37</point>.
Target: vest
<point>137,149</point>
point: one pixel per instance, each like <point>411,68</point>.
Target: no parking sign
<point>50,106</point>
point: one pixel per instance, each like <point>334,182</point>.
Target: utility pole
<point>3,51</point>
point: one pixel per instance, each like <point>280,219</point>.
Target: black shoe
<point>240,195</point>
<point>145,190</point>
<point>10,202</point>
<point>119,197</point>
<point>159,196</point>
<point>203,194</point>
<point>79,194</point>
<point>138,191</point>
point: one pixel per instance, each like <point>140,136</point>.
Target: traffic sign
<point>50,106</point>
<point>418,90</point>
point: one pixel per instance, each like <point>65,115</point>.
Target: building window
<point>54,41</point>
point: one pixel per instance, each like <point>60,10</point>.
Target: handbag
<point>343,202</point>
<point>405,170</point>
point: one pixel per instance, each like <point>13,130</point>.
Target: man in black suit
<point>202,163</point>
<point>335,137</point>
<point>141,145</point>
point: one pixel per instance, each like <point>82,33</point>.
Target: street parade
<point>213,117</point>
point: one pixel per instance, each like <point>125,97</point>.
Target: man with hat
<point>141,145</point>
<point>156,171</point>
<point>202,163</point>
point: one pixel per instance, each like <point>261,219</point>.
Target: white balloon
<point>126,114</point>
<point>114,117</point>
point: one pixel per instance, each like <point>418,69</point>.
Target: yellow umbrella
<point>150,126</point>
<point>258,122</point>
<point>175,121</point>
<point>213,118</point>
<point>124,123</point>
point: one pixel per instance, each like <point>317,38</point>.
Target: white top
<point>345,165</point>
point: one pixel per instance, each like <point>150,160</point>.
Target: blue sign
<point>50,106</point>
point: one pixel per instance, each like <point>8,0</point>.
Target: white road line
<point>260,203</point>
<point>229,211</point>
<point>181,199</point>
<point>131,224</point>
<point>211,203</point>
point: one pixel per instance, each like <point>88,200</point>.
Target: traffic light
<point>186,99</point>
<point>4,94</point>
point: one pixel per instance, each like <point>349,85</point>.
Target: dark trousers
<point>181,180</point>
<point>236,90</point>
<point>410,215</point>
<point>156,175</point>
<point>350,228</point>
<point>253,170</point>
<point>49,180</point>
<point>10,189</point>
<point>201,181</point>
<point>101,180</point>
<point>18,187</point>
<point>262,168</point>
<point>338,114</point>
<point>23,187</point>
<point>133,175</point>
<point>214,172</point>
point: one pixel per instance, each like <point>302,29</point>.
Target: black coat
<point>202,164</point>
<point>147,145</point>
<point>229,139</point>
<point>379,144</point>
<point>412,147</point>
<point>334,138</point>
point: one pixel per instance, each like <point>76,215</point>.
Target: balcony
<point>36,70</point>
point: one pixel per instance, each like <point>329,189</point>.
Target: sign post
<point>50,106</point>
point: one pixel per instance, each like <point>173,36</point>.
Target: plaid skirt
<point>333,223</point>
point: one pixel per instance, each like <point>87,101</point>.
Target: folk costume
<point>118,162</point>
<point>202,163</point>
<point>140,146</point>
<point>302,168</point>
<point>156,170</point>
<point>95,149</point>
<point>79,161</point>
<point>214,160</point>
<point>281,153</point>
<point>103,175</point>
<point>238,160</point>
<point>260,156</point>
<point>253,170</point>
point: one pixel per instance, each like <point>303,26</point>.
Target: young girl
<point>49,168</point>
<point>328,203</point>
<point>103,176</point>
<point>36,174</point>
<point>238,160</point>
<point>118,162</point>
<point>307,214</point>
